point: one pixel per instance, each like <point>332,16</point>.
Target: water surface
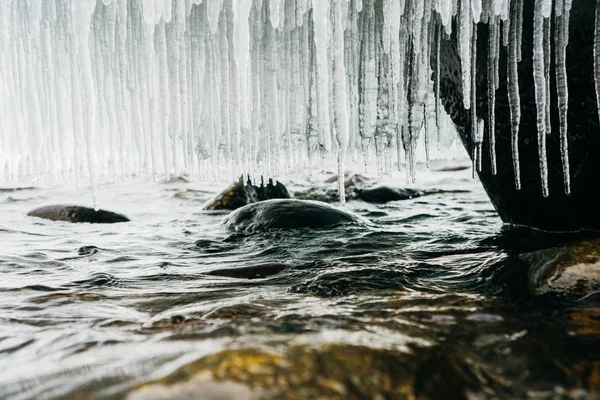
<point>434,299</point>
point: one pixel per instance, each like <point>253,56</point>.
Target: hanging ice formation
<point>91,88</point>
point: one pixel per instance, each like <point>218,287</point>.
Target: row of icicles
<point>256,86</point>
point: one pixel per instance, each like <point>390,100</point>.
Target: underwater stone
<point>240,194</point>
<point>569,272</point>
<point>77,214</point>
<point>332,371</point>
<point>288,214</point>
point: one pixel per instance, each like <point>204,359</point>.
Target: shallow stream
<point>433,299</point>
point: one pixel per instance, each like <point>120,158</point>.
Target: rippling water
<point>434,299</point>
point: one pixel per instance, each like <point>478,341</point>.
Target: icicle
<point>340,96</point>
<point>214,10</point>
<point>445,10</point>
<point>514,97</point>
<point>368,84</point>
<point>464,45</point>
<point>561,39</point>
<point>492,83</point>
<point>540,88</point>
<point>476,9</point>
<point>322,34</point>
<point>438,113</point>
<point>274,12</point>
<point>597,56</point>
<point>519,30</point>
<point>547,61</point>
<point>82,12</point>
<point>476,137</point>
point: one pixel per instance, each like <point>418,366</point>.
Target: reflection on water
<point>433,300</point>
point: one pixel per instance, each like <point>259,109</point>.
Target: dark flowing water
<point>434,299</point>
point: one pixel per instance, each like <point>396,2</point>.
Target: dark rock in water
<point>570,272</point>
<point>88,250</point>
<point>430,192</point>
<point>384,194</point>
<point>354,191</point>
<point>240,194</point>
<point>253,272</point>
<point>331,194</point>
<point>287,214</point>
<point>351,180</point>
<point>451,378</point>
<point>16,189</point>
<point>325,195</point>
<point>77,214</point>
<point>175,179</point>
<point>528,207</point>
<point>555,267</point>
<point>456,168</point>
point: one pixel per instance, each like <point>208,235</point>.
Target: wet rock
<point>77,214</point>
<point>287,214</point>
<point>385,194</point>
<point>528,207</point>
<point>452,168</point>
<point>87,250</point>
<point>192,194</point>
<point>175,179</point>
<point>16,189</point>
<point>252,272</point>
<point>325,195</point>
<point>240,194</point>
<point>334,371</point>
<point>331,194</point>
<point>570,271</point>
<point>351,180</point>
<point>200,387</point>
<point>441,374</point>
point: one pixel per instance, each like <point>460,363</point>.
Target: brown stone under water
<point>304,372</point>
